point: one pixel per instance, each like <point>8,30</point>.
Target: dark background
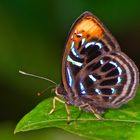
<point>32,38</point>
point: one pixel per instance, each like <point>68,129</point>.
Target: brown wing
<point>94,68</point>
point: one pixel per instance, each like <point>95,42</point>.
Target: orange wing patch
<point>90,27</point>
<point>87,27</point>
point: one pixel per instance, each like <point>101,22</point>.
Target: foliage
<point>122,123</point>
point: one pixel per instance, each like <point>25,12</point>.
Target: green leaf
<point>122,123</point>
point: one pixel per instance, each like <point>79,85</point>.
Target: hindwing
<point>94,69</point>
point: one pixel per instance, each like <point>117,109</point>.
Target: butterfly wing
<point>94,69</point>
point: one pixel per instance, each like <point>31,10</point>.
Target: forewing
<point>94,68</point>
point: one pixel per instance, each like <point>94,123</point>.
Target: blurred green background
<point>32,38</point>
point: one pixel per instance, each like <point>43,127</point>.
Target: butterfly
<point>96,74</point>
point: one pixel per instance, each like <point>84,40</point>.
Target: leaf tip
<point>15,131</point>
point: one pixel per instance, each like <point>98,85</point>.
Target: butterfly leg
<point>83,106</point>
<point>54,107</point>
<point>68,112</point>
<point>98,116</point>
<point>54,104</point>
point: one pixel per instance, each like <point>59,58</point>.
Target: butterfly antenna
<point>40,93</point>
<point>40,77</point>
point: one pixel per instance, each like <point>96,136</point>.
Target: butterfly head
<point>59,90</point>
